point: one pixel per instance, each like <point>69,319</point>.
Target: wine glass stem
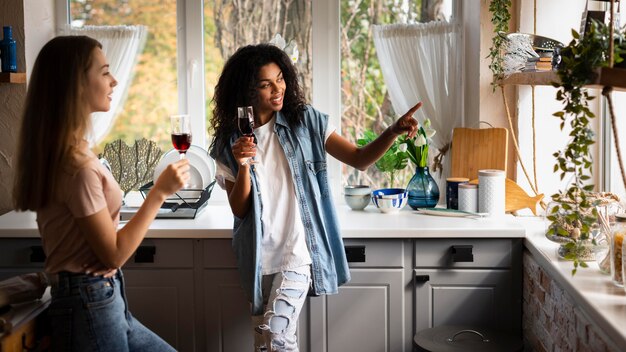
<point>181,156</point>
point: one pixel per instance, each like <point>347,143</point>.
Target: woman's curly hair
<point>237,86</point>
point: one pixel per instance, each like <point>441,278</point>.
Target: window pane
<point>153,93</point>
<point>230,24</point>
<point>365,103</point>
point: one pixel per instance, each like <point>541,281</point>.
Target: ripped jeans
<point>284,294</point>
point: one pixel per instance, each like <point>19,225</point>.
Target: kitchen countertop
<point>601,301</point>
<point>216,221</point>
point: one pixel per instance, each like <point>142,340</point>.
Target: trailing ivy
<point>500,17</point>
<point>575,214</point>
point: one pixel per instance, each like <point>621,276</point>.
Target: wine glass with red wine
<point>181,133</point>
<point>245,121</point>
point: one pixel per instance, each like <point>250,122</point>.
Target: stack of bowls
<point>357,196</point>
<point>390,200</point>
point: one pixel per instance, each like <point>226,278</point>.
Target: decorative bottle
<point>8,54</point>
<point>618,231</point>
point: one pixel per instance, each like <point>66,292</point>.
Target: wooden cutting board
<point>477,149</point>
<point>516,198</point>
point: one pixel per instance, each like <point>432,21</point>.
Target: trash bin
<point>452,338</point>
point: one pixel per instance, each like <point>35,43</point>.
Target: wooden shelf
<point>10,77</point>
<point>614,77</point>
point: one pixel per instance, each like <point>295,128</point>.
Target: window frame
<point>326,67</point>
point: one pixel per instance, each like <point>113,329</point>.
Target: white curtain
<point>422,62</point>
<point>122,46</point>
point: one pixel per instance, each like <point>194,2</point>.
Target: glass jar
<point>618,232</point>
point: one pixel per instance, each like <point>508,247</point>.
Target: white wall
<point>33,25</point>
<point>39,27</point>
<point>554,20</point>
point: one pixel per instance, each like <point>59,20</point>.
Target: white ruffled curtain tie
<point>122,46</point>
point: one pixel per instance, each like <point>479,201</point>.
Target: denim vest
<point>304,148</point>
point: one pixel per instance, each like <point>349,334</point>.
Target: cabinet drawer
<point>162,253</point>
<point>463,253</point>
<point>22,252</point>
<point>375,253</point>
<point>361,253</point>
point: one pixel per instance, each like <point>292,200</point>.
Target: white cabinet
<point>226,324</point>
<point>468,282</point>
<point>368,314</point>
<point>160,290</point>
<point>188,291</point>
<point>20,256</point>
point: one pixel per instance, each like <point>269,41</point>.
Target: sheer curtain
<point>422,62</point>
<point>122,46</point>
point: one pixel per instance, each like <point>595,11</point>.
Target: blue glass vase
<point>423,190</point>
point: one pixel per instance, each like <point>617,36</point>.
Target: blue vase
<point>423,190</point>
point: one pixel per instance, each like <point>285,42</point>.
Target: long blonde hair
<point>55,119</point>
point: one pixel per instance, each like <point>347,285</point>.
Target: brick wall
<point>551,322</point>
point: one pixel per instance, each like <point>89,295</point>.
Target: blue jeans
<point>284,294</point>
<point>90,313</point>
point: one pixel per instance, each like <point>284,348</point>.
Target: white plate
<point>202,169</point>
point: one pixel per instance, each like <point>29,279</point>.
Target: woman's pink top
<point>83,193</point>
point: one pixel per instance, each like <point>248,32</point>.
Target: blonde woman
<point>78,201</point>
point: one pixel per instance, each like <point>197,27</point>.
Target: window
<point>364,98</point>
<point>153,94</point>
<point>188,42</point>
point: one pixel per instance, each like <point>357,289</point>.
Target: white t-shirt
<point>284,244</point>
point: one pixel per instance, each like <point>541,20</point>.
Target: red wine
<point>181,141</point>
<point>245,126</point>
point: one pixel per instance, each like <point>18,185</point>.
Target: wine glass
<point>181,133</point>
<point>245,122</point>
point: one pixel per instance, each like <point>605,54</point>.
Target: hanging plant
<point>573,215</point>
<point>500,17</point>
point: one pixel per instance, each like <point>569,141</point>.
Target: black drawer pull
<point>422,278</point>
<point>145,254</point>
<point>355,254</point>
<point>37,254</point>
<point>462,253</point>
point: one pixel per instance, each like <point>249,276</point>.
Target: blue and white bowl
<point>390,200</point>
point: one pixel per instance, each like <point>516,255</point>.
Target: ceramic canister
<point>452,191</point>
<point>491,193</point>
<point>468,197</point>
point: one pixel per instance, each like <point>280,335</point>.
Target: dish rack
<point>184,204</point>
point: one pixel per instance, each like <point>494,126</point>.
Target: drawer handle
<point>145,254</point>
<point>422,278</point>
<point>355,254</point>
<point>37,254</point>
<point>462,253</point>
<point>451,339</point>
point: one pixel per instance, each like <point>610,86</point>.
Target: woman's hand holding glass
<point>244,150</point>
<point>245,122</point>
<point>173,178</point>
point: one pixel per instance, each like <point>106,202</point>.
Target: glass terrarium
<point>564,228</point>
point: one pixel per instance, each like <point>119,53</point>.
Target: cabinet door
<point>227,322</point>
<point>369,313</point>
<point>473,298</point>
<point>366,315</point>
<point>20,256</point>
<point>160,290</point>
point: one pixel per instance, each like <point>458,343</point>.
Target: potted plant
<point>573,212</point>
